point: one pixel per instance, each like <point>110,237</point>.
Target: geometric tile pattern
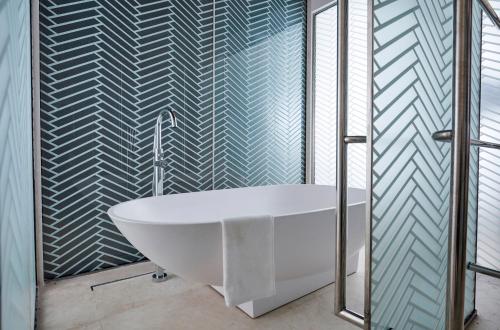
<point>17,245</point>
<point>259,92</point>
<point>488,244</point>
<point>412,86</point>
<point>108,67</point>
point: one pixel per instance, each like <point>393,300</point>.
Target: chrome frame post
<point>341,244</point>
<point>369,173</point>
<point>309,175</point>
<point>457,240</point>
<point>37,141</point>
<point>447,136</point>
<point>342,141</point>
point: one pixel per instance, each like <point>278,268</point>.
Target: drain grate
<point>118,280</point>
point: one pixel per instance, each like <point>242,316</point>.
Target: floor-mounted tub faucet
<point>159,164</point>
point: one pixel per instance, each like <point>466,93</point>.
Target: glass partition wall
<point>415,92</point>
<point>18,292</point>
<point>325,95</point>
<point>488,244</point>
<point>420,86</point>
<point>324,110</point>
<point>412,98</point>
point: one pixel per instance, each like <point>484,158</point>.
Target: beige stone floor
<point>137,303</point>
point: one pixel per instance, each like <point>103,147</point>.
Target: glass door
<point>413,91</point>
<point>422,160</point>
<point>412,98</point>
<point>415,95</point>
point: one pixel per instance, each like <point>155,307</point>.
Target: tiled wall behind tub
<point>232,70</point>
<point>259,92</point>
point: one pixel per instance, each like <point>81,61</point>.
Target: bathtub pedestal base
<point>287,291</point>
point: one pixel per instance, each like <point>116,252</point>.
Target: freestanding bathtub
<point>182,233</point>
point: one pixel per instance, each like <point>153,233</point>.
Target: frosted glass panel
<point>325,96</point>
<point>357,90</point>
<point>325,93</point>
<point>413,57</point>
<point>474,159</point>
<point>17,246</point>
<point>488,244</point>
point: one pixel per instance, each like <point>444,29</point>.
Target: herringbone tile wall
<point>17,245</point>
<point>259,99</point>
<point>232,70</point>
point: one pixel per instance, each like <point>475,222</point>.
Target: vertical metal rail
<point>340,269</point>
<point>342,141</point>
<point>457,240</point>
<point>369,174</point>
<point>342,53</point>
<point>36,137</point>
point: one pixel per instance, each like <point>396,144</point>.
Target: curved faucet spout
<point>157,135</point>
<point>159,162</point>
<point>173,118</point>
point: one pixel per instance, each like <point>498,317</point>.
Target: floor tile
<point>138,303</point>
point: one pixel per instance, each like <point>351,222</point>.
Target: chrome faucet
<point>159,161</point>
<point>159,165</point>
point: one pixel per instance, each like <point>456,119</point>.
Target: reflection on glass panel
<point>474,158</point>
<point>325,96</point>
<point>488,244</point>
<point>259,93</point>
<point>325,93</point>
<point>356,179</point>
<point>325,100</point>
<point>358,91</point>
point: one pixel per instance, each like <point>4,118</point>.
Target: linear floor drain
<point>118,280</point>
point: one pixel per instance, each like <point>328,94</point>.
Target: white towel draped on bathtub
<point>248,258</point>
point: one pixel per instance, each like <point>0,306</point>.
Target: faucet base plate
<point>159,277</point>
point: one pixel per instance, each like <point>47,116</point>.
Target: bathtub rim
<point>112,214</point>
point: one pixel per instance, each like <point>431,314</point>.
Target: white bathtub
<point>182,233</point>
